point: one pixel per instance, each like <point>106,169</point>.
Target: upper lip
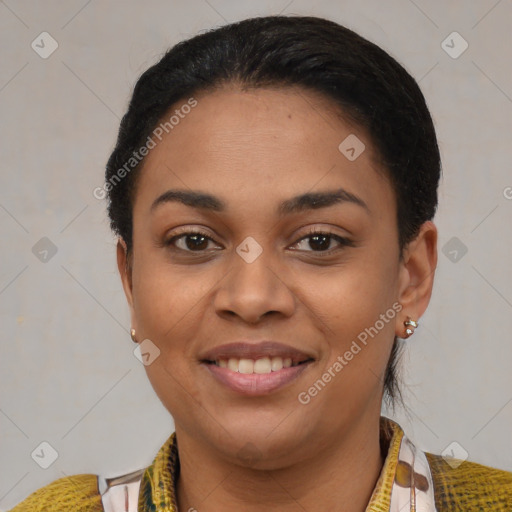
<point>255,350</point>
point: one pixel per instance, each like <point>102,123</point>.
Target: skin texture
<point>254,149</point>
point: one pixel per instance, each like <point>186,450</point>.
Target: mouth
<point>255,368</point>
<point>260,366</point>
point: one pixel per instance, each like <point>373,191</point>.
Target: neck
<point>341,476</point>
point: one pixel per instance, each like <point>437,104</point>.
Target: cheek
<point>167,303</point>
<point>358,309</point>
<point>350,379</point>
<point>166,298</point>
<point>353,295</point>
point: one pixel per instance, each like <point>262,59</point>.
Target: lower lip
<point>254,384</point>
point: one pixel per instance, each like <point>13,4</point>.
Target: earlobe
<point>416,279</point>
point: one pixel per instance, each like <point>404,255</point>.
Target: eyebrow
<point>300,203</point>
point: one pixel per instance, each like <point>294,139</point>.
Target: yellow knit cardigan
<point>469,487</point>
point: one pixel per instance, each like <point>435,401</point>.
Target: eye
<point>198,241</point>
<point>190,241</point>
<point>320,241</point>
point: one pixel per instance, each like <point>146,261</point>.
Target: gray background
<point>68,373</point>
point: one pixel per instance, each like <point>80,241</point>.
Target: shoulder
<point>86,493</point>
<point>470,486</point>
<point>77,493</point>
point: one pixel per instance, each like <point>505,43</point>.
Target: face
<point>293,260</point>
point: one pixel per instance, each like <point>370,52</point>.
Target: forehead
<point>262,144</point>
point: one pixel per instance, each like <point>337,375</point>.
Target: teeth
<point>245,366</point>
<point>260,366</point>
<point>233,365</point>
<point>277,363</point>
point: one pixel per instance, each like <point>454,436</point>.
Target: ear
<point>416,275</point>
<point>124,264</point>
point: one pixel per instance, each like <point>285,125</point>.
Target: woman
<point>273,188</point>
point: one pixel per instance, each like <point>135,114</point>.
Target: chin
<point>260,443</point>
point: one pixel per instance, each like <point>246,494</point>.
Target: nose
<point>253,289</point>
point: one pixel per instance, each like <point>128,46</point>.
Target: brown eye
<point>190,241</point>
<point>320,241</point>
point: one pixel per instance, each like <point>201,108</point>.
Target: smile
<point>259,366</point>
<point>255,368</point>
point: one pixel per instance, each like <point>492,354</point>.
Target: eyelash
<point>344,242</point>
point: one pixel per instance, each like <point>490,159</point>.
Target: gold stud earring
<point>132,334</point>
<point>410,325</point>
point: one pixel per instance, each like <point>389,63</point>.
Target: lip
<point>255,384</point>
<point>255,350</point>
